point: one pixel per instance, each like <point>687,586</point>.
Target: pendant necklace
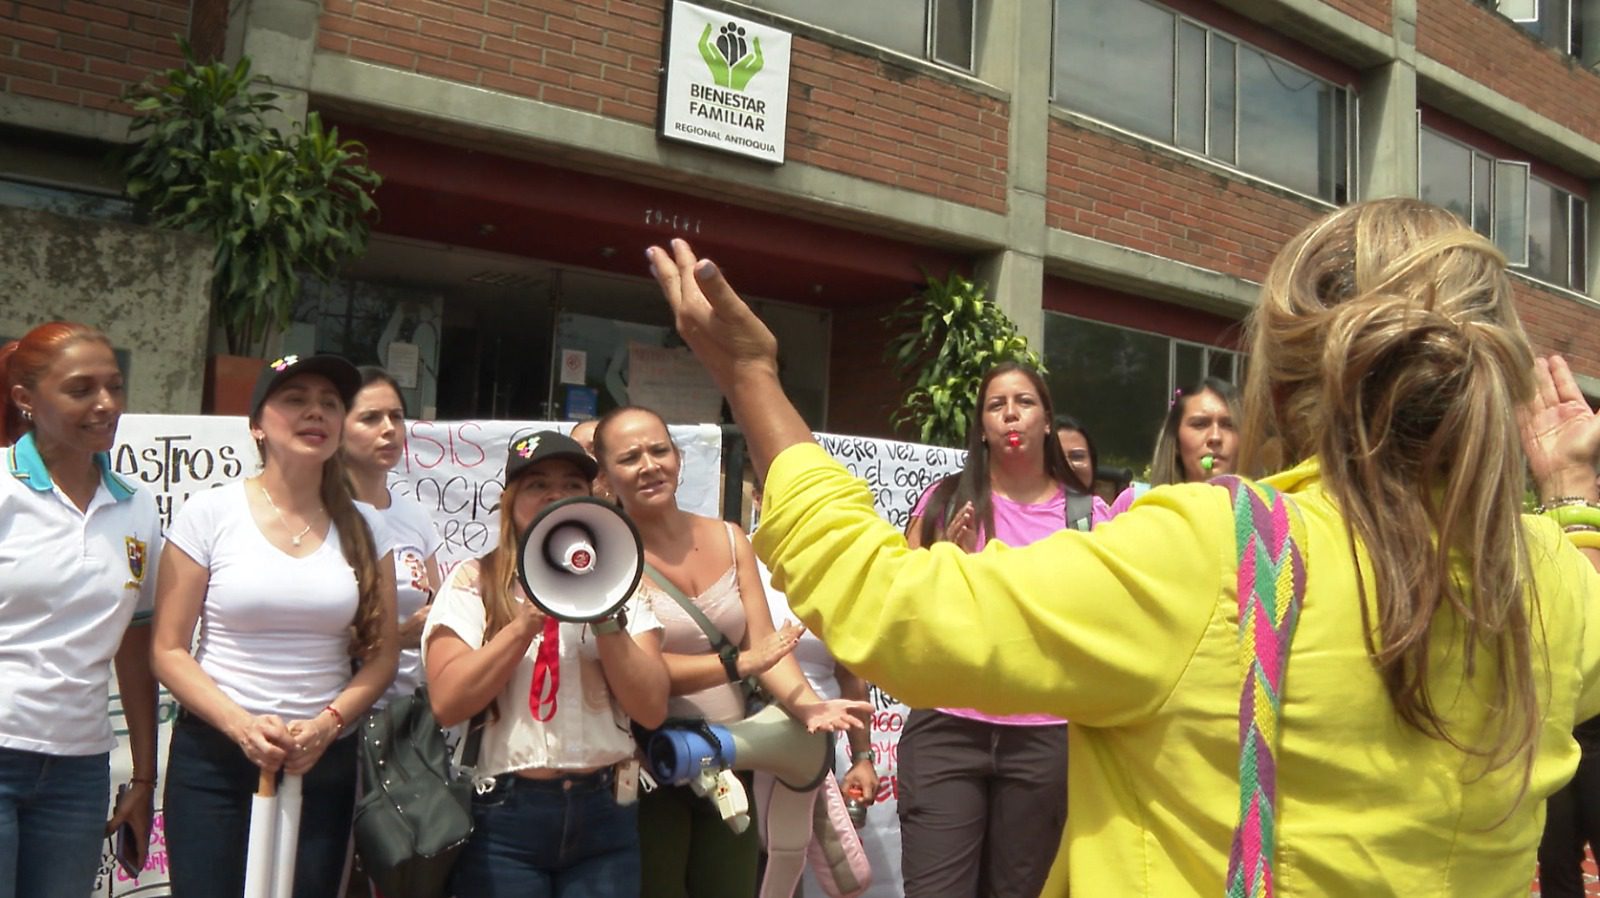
<point>295,538</point>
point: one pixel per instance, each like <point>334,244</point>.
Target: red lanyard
<point>546,672</point>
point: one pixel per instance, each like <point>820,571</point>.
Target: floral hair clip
<point>1176,395</point>
<point>284,362</point>
<point>526,447</point>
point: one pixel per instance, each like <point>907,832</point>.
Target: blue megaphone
<point>769,740</point>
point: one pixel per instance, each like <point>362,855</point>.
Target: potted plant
<point>950,334</point>
<point>276,203</point>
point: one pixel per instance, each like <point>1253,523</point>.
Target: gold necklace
<point>295,538</point>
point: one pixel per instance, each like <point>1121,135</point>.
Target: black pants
<point>207,807</point>
<point>1572,817</point>
<point>982,806</point>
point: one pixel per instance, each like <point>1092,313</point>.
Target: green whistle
<point>1207,462</point>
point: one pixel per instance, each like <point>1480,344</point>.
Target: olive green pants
<point>688,852</point>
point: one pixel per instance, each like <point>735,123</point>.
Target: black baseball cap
<point>346,379</point>
<point>529,447</point>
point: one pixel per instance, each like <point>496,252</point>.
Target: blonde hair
<point>1386,346</point>
<point>497,572</point>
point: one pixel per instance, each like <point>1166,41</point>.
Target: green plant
<point>950,335</point>
<point>275,204</point>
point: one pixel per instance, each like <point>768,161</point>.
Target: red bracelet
<point>336,716</point>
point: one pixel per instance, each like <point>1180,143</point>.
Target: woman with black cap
<point>554,812</point>
<point>289,582</point>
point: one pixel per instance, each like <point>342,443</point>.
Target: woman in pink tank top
<point>687,849</point>
<point>983,799</point>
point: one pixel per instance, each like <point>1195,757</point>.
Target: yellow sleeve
<point>1094,627</point>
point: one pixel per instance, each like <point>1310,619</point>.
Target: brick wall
<point>848,113</point>
<point>1162,203</point>
<point>86,52</point>
<point>1376,13</point>
<point>1493,51</point>
<point>1559,323</point>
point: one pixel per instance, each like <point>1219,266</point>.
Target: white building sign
<point>727,83</point>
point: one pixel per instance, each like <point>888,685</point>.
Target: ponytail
<point>1387,347</point>
<point>355,541</point>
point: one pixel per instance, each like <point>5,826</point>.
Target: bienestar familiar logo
<point>727,83</point>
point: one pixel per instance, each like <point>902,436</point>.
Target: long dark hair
<point>1166,465</point>
<point>971,483</point>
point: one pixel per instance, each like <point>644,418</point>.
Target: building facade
<point>1119,172</point>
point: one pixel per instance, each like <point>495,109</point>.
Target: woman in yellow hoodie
<point>1442,655</point>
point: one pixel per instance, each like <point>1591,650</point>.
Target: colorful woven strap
<point>1272,582</point>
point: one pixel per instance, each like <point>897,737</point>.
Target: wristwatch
<point>616,623</point>
<point>863,755</point>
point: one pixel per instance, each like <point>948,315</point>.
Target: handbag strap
<point>1269,534</point>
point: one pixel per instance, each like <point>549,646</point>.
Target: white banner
<point>727,84</point>
<point>455,468</point>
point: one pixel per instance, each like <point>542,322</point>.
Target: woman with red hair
<point>77,544</point>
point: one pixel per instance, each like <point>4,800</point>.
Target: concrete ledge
<point>582,140</point>
<point>59,118</point>
<point>1450,91</point>
<point>1109,265</point>
<point>1319,25</point>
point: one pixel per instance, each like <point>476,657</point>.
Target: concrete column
<point>1591,233</point>
<point>280,37</point>
<point>1016,283</point>
<point>1015,54</point>
<point>1387,152</point>
<point>1388,146</point>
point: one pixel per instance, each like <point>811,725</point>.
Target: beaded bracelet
<point>1562,502</point>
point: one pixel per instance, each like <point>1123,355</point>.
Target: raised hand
<point>1560,435</point>
<point>727,338</point>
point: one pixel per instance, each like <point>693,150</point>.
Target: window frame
<point>1351,172</point>
<point>930,38</point>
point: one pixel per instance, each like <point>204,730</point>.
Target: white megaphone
<point>580,559</point>
<point>768,740</point>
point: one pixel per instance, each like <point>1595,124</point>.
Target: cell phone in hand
<point>125,845</point>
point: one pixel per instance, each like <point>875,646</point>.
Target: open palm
<point>1560,434</point>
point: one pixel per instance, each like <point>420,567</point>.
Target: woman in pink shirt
<point>983,799</point>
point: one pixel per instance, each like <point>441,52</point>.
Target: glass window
<point>1511,210</point>
<point>1114,61</point>
<point>1580,246</point>
<point>1482,194</point>
<point>1224,82</point>
<point>1191,86</point>
<point>1548,229</point>
<point>1142,67</point>
<point>952,32</point>
<point>1446,175</point>
<point>1119,382</point>
<point>902,25</point>
<point>1290,125</point>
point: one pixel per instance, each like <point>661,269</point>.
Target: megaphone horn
<point>769,740</point>
<point>580,559</point>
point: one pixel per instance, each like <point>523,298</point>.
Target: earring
<point>27,415</point>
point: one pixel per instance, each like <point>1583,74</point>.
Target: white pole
<point>262,856</point>
<point>288,826</point>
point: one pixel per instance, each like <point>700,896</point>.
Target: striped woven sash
<point>1272,580</point>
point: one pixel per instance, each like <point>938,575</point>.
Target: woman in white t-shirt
<point>290,583</point>
<point>76,546</point>
<point>548,817</point>
<point>374,441</point>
